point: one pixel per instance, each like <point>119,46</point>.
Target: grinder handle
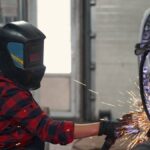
<point>109,141</point>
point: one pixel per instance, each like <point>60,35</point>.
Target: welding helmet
<point>21,53</point>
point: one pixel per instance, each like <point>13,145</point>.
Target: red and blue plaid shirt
<point>21,119</point>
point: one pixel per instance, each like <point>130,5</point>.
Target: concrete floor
<point>93,143</point>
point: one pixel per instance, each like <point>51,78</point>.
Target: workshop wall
<point>117,25</point>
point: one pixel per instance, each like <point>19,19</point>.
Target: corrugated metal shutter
<point>117,25</point>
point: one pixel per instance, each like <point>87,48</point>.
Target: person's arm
<point>22,107</point>
<point>102,127</point>
<point>86,130</point>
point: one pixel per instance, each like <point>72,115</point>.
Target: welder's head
<point>21,53</point>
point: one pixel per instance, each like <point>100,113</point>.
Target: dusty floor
<point>93,143</point>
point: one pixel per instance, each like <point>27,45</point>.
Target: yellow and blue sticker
<point>16,51</point>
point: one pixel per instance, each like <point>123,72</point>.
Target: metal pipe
<point>86,30</point>
<point>23,10</point>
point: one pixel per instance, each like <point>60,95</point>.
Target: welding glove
<point>109,128</point>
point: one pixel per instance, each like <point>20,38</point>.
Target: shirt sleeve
<point>22,107</point>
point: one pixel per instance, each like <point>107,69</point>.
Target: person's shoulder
<point>7,83</point>
<point>11,87</point>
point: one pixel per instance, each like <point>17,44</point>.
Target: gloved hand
<point>112,132</point>
<point>109,128</point>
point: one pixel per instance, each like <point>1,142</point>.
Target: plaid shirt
<point>21,119</point>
